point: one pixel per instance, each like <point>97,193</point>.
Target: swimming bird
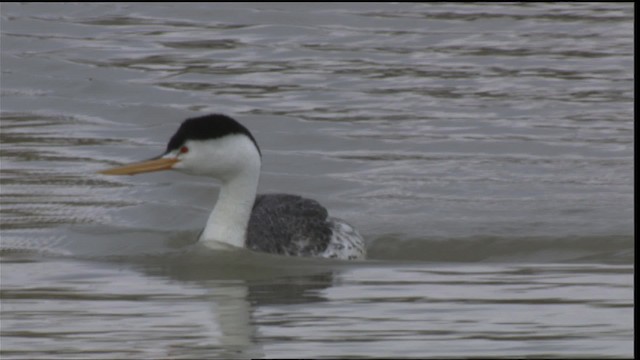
<point>220,147</point>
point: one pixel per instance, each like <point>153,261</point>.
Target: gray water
<point>485,152</point>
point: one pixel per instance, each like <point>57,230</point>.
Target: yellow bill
<point>141,167</point>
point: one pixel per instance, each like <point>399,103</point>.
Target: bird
<point>220,147</point>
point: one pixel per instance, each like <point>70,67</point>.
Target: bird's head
<point>213,145</point>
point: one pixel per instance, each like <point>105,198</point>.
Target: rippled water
<point>485,151</point>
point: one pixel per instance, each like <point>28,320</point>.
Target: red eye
<point>184,150</point>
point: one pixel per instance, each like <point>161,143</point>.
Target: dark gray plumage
<point>288,225</point>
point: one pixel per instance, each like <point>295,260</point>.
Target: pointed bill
<point>157,164</point>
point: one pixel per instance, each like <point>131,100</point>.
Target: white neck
<point>227,224</point>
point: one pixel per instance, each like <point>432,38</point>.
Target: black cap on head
<point>208,127</point>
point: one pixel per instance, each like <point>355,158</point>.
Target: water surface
<point>485,151</point>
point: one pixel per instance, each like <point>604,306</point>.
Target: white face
<point>223,158</point>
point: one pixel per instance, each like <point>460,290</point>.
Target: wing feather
<point>288,224</point>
